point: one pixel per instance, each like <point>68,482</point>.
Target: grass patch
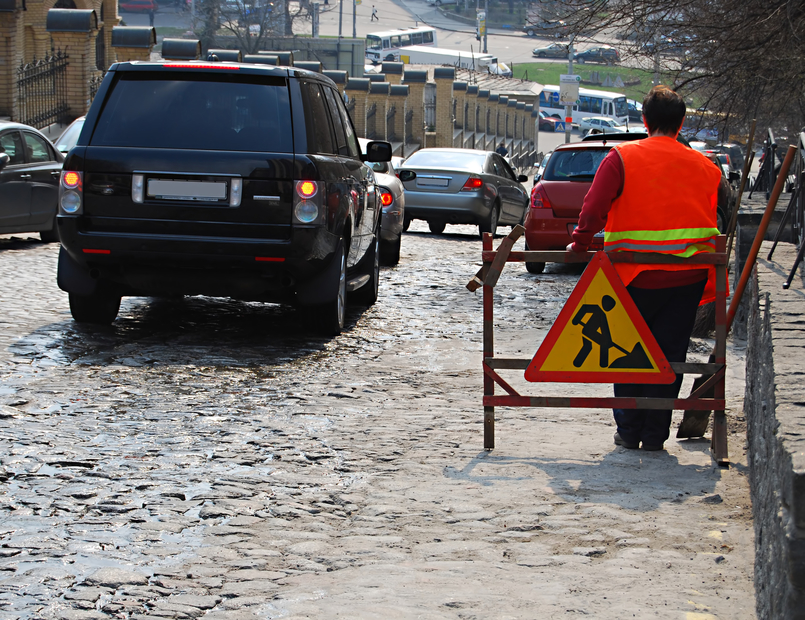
<point>549,72</point>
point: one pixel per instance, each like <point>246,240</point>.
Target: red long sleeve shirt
<point>607,186</point>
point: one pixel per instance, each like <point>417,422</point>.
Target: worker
<point>655,195</point>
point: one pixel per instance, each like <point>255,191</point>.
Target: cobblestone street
<point>208,458</point>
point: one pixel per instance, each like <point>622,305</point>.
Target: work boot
<point>631,445</point>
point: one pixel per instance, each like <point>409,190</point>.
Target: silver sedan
<point>463,186</point>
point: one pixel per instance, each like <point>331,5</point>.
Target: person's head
<point>663,111</point>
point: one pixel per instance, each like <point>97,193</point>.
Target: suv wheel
<point>332,314</point>
<point>491,224</point>
<point>367,294</point>
<point>390,253</point>
<point>98,309</point>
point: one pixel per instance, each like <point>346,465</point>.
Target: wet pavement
<point>208,457</point>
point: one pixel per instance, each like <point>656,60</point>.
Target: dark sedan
<point>29,181</point>
<point>463,186</point>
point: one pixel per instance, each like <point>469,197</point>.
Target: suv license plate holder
<point>197,191</point>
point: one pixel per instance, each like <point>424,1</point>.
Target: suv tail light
<point>71,192</point>
<point>539,199</point>
<point>472,184</point>
<point>307,207</point>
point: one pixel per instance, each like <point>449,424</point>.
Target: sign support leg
<point>489,350</point>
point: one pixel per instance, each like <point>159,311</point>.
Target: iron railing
<point>371,122</point>
<point>42,91</point>
<point>391,136</point>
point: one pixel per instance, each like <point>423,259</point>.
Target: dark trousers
<point>670,314</point>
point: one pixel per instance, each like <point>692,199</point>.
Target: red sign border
<point>599,262</point>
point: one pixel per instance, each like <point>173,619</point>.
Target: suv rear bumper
<point>153,265</point>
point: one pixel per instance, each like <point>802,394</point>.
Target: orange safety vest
<point>668,205</point>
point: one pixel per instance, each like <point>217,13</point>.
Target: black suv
<point>219,179</point>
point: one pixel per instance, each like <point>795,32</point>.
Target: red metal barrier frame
<point>487,278</point>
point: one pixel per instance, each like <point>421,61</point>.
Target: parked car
<point>634,111</point>
<point>547,122</point>
<point>557,197</point>
<point>138,6</point>
<point>29,181</point>
<point>736,153</point>
<point>392,197</point>
<point>69,137</point>
<point>558,29</point>
<point>602,124</point>
<point>463,186</point>
<point>604,54</point>
<point>253,207</point>
<point>553,50</point>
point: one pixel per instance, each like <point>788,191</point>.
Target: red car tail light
<point>472,184</point>
<point>539,200</point>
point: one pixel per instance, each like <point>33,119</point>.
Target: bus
<point>591,103</point>
<point>381,46</point>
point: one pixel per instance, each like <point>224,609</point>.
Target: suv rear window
<point>201,111</point>
<point>579,164</point>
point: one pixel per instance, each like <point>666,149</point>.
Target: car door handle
<point>25,176</point>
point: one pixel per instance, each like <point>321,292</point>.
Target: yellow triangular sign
<point>600,336</point>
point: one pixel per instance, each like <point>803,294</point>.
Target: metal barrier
<point>493,263</point>
<point>42,91</point>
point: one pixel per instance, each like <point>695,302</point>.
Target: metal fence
<point>371,122</point>
<point>391,136</point>
<point>94,85</point>
<point>409,127</point>
<point>42,91</point>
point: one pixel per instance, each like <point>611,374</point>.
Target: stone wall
<point>774,405</point>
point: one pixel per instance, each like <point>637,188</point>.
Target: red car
<point>138,6</point>
<point>558,195</point>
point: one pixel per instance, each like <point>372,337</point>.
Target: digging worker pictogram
<point>594,329</point>
<point>653,195</point>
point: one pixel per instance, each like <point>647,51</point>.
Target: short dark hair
<point>664,110</point>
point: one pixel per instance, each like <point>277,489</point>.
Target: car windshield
<point>579,164</point>
<point>469,161</point>
<point>209,112</point>
<point>69,138</point>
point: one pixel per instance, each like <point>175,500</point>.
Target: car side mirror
<point>407,175</point>
<point>522,178</point>
<point>378,151</point>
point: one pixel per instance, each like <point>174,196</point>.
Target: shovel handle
<point>761,233</point>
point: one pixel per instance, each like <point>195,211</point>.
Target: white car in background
<point>602,124</point>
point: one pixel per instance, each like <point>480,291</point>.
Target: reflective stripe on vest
<point>681,242</point>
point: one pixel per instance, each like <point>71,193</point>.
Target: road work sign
<point>600,336</point>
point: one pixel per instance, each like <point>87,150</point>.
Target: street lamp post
<point>486,26</point>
